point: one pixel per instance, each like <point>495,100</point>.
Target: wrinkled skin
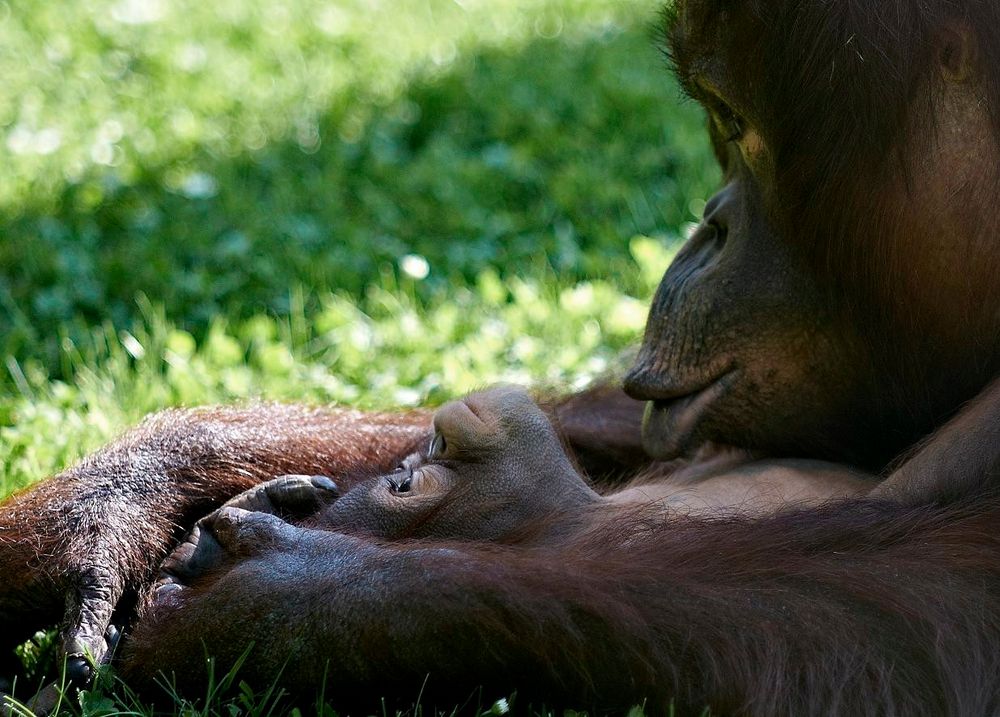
<point>495,470</point>
<point>837,303</point>
<point>495,466</point>
<point>756,337</point>
<point>706,377</point>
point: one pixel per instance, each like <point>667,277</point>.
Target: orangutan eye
<point>736,129</point>
<point>728,122</point>
<point>401,481</point>
<point>731,124</point>
<point>400,485</point>
<point>438,446</point>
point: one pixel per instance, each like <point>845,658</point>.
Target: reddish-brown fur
<point>838,302</point>
<point>860,608</point>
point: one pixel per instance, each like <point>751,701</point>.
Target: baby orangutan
<point>496,470</point>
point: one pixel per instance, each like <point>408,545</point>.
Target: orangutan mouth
<point>668,426</point>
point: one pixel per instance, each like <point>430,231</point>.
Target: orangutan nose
<point>644,383</point>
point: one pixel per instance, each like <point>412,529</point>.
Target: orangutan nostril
<point>718,235</point>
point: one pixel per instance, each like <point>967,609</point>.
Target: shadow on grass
<point>547,157</point>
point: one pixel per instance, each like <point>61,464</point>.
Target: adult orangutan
<point>838,302</point>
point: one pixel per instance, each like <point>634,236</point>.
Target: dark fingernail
<point>167,588</point>
<point>326,483</point>
<point>78,672</point>
<point>112,635</point>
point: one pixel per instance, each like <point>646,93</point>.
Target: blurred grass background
<point>373,202</point>
<point>378,202</point>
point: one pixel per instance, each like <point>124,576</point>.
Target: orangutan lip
<point>662,404</point>
<point>668,425</point>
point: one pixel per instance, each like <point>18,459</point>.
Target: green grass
<point>387,349</point>
<point>380,203</point>
<point>229,151</point>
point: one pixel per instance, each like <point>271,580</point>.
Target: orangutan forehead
<point>691,31</point>
<point>690,22</point>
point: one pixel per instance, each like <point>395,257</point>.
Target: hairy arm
<point>603,427</point>
<point>72,547</point>
<point>960,458</point>
<point>862,608</point>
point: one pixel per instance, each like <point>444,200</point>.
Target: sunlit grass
<point>386,350</point>
<point>214,156</point>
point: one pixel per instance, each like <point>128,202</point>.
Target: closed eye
<point>728,122</point>
<point>400,481</point>
<point>731,125</point>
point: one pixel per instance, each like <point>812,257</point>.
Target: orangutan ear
<point>958,52</point>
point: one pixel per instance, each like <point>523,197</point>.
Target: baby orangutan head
<point>494,467</point>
